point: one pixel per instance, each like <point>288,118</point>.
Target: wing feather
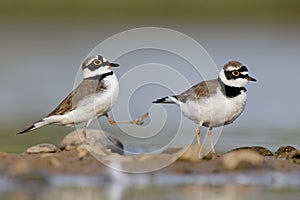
<point>84,89</point>
<point>200,90</point>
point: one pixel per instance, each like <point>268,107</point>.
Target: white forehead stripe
<point>244,73</point>
<point>104,59</point>
<point>231,68</point>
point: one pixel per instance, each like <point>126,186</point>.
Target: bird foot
<point>140,120</point>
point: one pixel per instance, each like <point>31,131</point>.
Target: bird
<point>214,103</point>
<point>92,98</point>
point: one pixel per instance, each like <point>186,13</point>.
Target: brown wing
<point>200,90</point>
<point>84,89</point>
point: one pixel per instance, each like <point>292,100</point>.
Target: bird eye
<point>235,73</point>
<point>97,62</point>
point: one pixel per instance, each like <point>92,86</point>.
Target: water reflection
<point>191,192</point>
<point>117,185</point>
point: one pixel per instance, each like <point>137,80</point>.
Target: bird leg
<point>137,121</point>
<point>85,128</point>
<point>210,140</point>
<point>198,135</point>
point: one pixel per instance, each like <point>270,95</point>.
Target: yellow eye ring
<point>235,73</point>
<point>97,62</point>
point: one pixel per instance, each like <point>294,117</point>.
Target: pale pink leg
<point>198,135</point>
<point>210,140</point>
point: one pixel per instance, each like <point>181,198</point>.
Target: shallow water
<point>250,185</point>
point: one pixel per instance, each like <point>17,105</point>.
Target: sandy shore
<point>68,162</point>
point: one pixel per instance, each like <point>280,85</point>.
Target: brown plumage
<point>236,64</point>
<point>87,87</point>
<point>200,90</point>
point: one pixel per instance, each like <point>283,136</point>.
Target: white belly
<point>216,110</point>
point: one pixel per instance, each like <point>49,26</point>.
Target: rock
<point>284,151</point>
<point>42,148</point>
<point>261,150</point>
<point>96,140</point>
<point>242,159</point>
<point>289,153</point>
<point>82,151</point>
<point>295,154</point>
<point>196,153</point>
<point>211,156</point>
<point>295,157</point>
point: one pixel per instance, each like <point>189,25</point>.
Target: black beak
<point>114,65</point>
<point>249,78</point>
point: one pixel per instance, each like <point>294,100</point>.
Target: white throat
<point>87,73</point>
<point>239,82</point>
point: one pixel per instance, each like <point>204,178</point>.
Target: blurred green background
<point>151,11</point>
<point>42,41</point>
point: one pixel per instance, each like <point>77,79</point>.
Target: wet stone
<point>42,148</point>
<point>211,156</point>
<point>295,157</point>
<point>285,151</point>
<point>261,150</point>
<point>289,153</point>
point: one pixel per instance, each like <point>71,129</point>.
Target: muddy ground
<point>286,159</point>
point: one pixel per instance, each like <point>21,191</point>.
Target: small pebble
<point>42,148</point>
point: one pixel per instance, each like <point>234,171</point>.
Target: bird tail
<point>34,126</point>
<point>168,99</point>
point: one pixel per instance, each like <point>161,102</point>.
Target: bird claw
<point>140,120</point>
<point>137,122</point>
